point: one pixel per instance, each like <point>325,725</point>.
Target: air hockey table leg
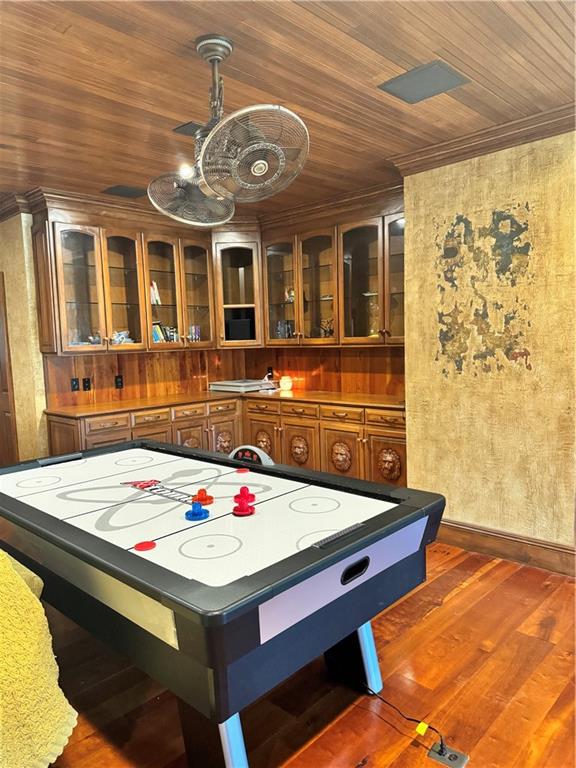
<point>354,660</point>
<point>209,745</point>
<point>233,743</point>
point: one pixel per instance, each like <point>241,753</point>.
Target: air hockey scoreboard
<point>218,576</point>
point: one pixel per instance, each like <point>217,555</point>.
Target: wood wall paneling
<point>359,371</point>
<point>146,375</point>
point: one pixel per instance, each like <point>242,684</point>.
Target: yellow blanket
<point>35,719</point>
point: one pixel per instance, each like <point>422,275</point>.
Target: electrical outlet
<point>119,381</point>
<point>86,384</point>
<point>270,371</point>
<point>452,757</point>
<point>75,385</point>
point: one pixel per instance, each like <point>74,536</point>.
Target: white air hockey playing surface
<point>91,494</point>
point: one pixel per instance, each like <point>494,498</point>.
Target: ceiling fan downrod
<point>215,49</point>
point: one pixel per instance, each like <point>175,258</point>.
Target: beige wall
<point>16,261</point>
<point>490,346</point>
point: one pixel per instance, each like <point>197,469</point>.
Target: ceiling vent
<point>423,82</point>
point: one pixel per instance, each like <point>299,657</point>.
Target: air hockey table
<point>219,610</point>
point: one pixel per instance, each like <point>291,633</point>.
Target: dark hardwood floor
<point>484,651</point>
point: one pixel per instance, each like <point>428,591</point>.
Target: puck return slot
<point>355,570</point>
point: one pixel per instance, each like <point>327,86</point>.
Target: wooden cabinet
<point>367,452</point>
<point>191,434</point>
<point>197,288</point>
<point>224,430</point>
<point>341,449</point>
<point>361,290</point>
<point>287,432</point>
<point>163,280</point>
<point>80,288</point>
<point>282,293</point>
<point>350,440</point>
<point>104,285</point>
<point>124,289</point>
<point>319,321</point>
<point>265,432</point>
<point>300,443</point>
<point>101,291</point>
<point>385,457</point>
<point>238,302</point>
<point>300,290</point>
<point>394,278</point>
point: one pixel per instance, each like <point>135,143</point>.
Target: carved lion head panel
<point>341,456</point>
<point>299,449</point>
<point>224,441</point>
<point>264,441</point>
<point>389,464</point>
<point>192,442</point>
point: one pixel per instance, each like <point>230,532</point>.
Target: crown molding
<point>55,204</point>
<point>522,131</point>
<point>13,205</point>
<point>365,198</point>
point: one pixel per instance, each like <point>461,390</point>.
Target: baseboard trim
<point>522,549</point>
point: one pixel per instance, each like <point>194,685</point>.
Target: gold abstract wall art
<point>475,260</point>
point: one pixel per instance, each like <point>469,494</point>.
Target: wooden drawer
<point>256,406</point>
<point>110,438</point>
<point>304,410</point>
<point>104,423</point>
<point>161,432</point>
<point>151,417</point>
<point>342,413</point>
<point>191,411</point>
<point>389,419</point>
<point>223,407</point>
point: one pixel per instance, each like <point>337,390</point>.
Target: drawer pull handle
<point>354,571</point>
<point>262,407</point>
<point>298,410</point>
<point>340,414</point>
<point>107,424</point>
<point>188,413</point>
<point>152,418</point>
<point>222,407</point>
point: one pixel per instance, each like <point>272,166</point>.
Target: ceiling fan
<point>246,156</point>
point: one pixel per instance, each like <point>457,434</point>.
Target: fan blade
<point>188,129</point>
<point>184,201</point>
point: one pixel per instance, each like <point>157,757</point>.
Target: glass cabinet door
<point>79,270</point>
<point>318,288</point>
<point>163,284</point>
<point>239,310</point>
<point>361,295</point>
<point>124,290</point>
<point>197,285</point>
<point>281,293</point>
<point>394,278</point>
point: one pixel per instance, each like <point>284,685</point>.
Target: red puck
<point>243,469</point>
<point>144,546</point>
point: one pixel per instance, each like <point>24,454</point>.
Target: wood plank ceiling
<point>90,91</point>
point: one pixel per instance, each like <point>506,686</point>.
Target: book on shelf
<point>154,293</point>
<point>157,334</point>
